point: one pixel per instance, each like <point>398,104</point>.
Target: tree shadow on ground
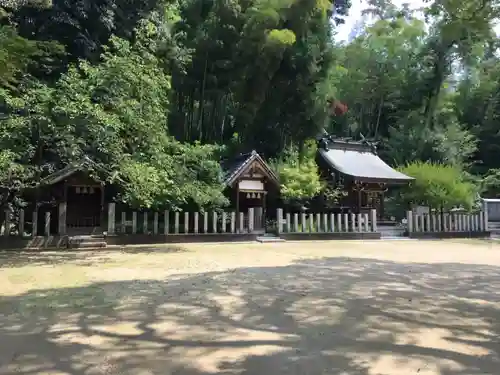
<point>80,257</point>
<point>328,316</point>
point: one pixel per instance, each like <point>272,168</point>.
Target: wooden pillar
<point>46,231</point>
<point>263,216</point>
<point>359,199</point>
<point>239,223</point>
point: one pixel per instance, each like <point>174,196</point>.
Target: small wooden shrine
<point>77,201</point>
<point>250,183</point>
<point>84,199</point>
<point>356,167</point>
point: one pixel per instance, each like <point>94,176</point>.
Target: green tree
<point>116,114</point>
<point>437,186</point>
<point>299,175</point>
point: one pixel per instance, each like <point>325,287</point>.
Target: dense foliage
<point>298,174</point>
<point>156,91</point>
<point>438,186</point>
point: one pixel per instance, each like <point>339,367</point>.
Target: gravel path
<point>339,308</point>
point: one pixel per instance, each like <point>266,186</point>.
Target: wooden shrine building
<point>363,175</point>
<point>77,202</point>
<point>251,183</point>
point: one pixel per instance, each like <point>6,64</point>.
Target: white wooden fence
<point>325,223</point>
<point>447,222</point>
<point>168,222</point>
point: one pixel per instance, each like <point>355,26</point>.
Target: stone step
<point>87,245</point>
<point>268,239</point>
<point>87,239</point>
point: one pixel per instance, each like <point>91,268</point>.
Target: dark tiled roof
<point>233,167</point>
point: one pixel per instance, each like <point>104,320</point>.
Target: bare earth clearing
<point>346,308</point>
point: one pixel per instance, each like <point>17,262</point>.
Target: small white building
<point>492,206</point>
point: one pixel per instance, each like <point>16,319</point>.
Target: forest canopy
<point>158,91</point>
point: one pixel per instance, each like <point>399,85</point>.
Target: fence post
<point>339,222</point>
<point>251,218</point>
<point>155,223</point>
<point>214,221</point>
<point>176,222</point>
<point>346,222</point>
<point>295,222</point>
<point>318,223</point>
<point>486,220</point>
<point>288,222</point>
<point>134,222</point>
<point>311,223</point>
<point>233,222</point>
<point>303,222</point>
<point>111,218</point>
<point>34,223</point>
<point>279,219</point>
<point>360,223</point>
<point>205,222</point>
<point>195,222</point>
<point>409,221</point>
<point>241,222</point>
<point>325,223</point>
<point>186,222</point>
<point>21,223</point>
<point>223,220</point>
<point>485,216</point>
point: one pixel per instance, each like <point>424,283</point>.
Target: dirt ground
<point>340,308</point>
